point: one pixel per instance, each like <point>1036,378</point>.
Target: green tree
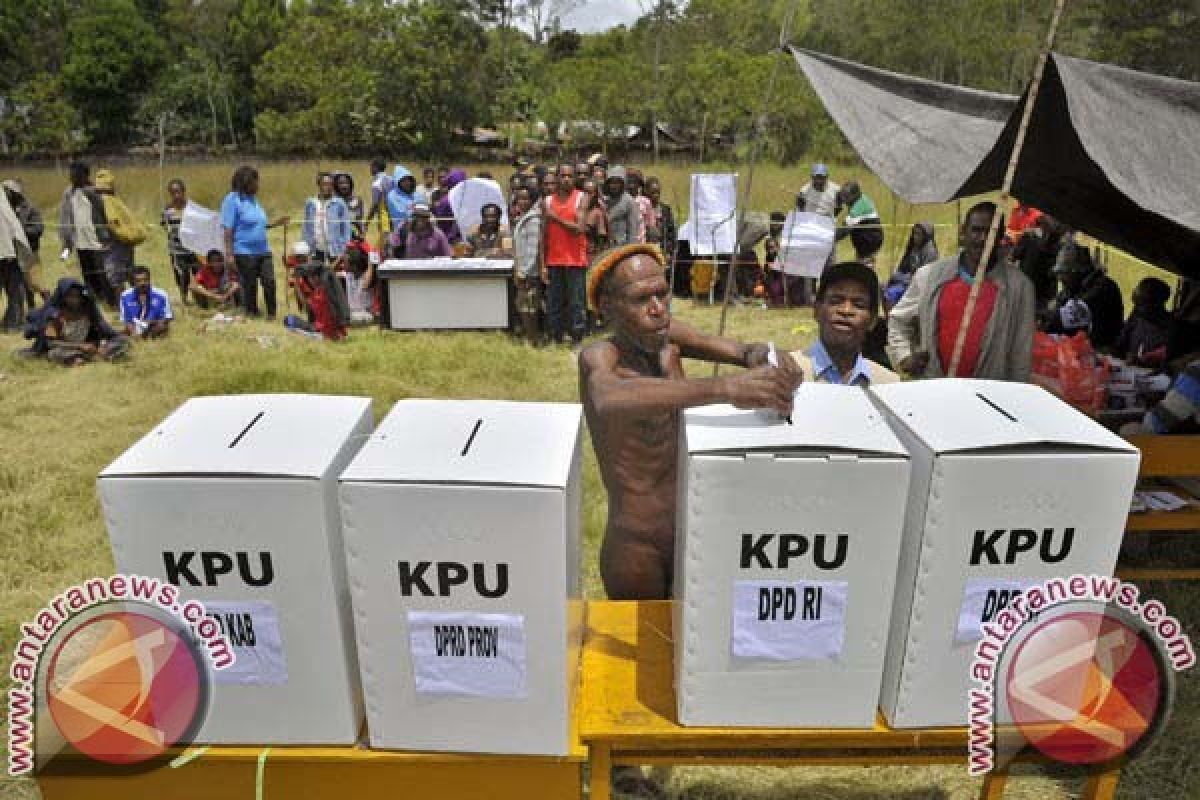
<point>112,52</point>
<point>34,36</point>
<point>421,80</point>
<point>190,99</point>
<point>1152,35</point>
<point>373,77</point>
<point>41,119</point>
<point>312,84</point>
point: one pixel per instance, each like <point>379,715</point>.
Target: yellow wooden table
<point>1165,457</point>
<point>627,716</point>
<point>320,773</point>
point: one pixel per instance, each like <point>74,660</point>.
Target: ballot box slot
<point>246,429</point>
<point>996,408</point>
<point>471,438</point>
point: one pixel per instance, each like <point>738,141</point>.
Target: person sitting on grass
<point>320,294</point>
<point>145,309</point>
<point>847,309</point>
<point>216,283</point>
<point>70,330</point>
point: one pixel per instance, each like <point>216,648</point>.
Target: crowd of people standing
<point>555,222</point>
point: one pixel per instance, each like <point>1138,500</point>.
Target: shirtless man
<point>634,388</point>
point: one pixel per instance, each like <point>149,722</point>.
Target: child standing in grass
<point>183,261</point>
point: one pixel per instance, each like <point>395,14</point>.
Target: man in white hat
<point>819,195</point>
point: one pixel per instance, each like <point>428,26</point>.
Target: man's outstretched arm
<point>696,344</point>
<point>611,393</point>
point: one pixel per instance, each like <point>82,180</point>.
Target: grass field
<point>60,427</point>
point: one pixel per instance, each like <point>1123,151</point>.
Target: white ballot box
<point>786,547</point>
<point>234,500</point>
<point>462,541</point>
<point>446,293</point>
<point>1010,487</point>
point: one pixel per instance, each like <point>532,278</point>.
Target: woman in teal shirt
<point>245,224</point>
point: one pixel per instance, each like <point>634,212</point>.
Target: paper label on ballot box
<point>789,620</point>
<point>983,599</point>
<point>252,629</point>
<point>465,653</point>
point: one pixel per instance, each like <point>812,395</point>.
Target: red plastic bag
<point>1070,368</point>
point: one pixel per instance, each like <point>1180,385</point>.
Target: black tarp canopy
<point>1111,152</point>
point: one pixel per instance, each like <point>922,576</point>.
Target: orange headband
<point>611,258</point>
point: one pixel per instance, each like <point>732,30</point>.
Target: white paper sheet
<point>713,213</point>
<point>808,239</point>
<point>252,629</point>
<point>468,198</point>
<point>983,599</point>
<point>789,620</point>
<point>200,230</point>
<point>464,653</point>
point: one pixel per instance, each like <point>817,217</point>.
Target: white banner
<point>712,218</point>
<point>789,620</point>
<point>252,629</point>
<point>808,239</point>
<point>983,599</point>
<point>200,230</point>
<point>464,653</point>
<point>468,198</point>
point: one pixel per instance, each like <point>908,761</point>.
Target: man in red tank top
<point>564,254</point>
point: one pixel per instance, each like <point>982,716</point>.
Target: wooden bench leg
<point>993,785</point>
<point>1102,785</point>
<point>600,782</point>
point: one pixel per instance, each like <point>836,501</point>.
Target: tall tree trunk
<point>212,108</point>
<point>162,160</point>
<point>229,119</point>
<point>505,76</point>
<point>658,34</point>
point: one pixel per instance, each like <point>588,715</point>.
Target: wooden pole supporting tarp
<point>730,276</point>
<point>1005,190</point>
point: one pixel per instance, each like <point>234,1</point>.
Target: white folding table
<point>445,293</point>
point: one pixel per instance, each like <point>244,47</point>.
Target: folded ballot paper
<point>1157,500</point>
